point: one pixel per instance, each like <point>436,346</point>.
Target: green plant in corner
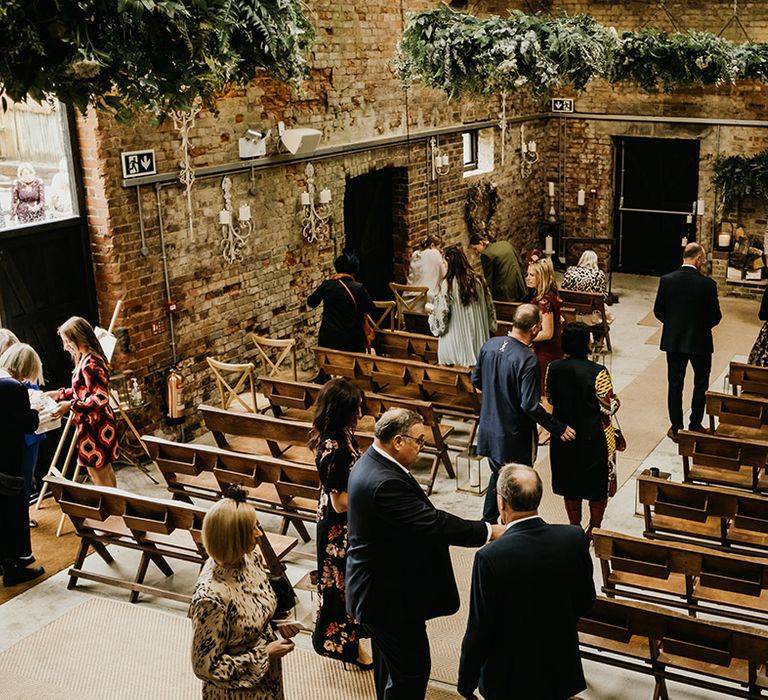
<point>157,56</point>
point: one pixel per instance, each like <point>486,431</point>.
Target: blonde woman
<point>18,363</point>
<point>88,400</point>
<point>585,276</point>
<point>7,338</point>
<point>547,344</point>
<point>235,651</point>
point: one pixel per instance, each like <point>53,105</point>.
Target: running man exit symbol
<point>138,163</point>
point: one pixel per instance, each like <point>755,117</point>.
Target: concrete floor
<point>632,356</point>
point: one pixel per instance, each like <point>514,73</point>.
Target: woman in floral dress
<point>337,409</point>
<point>235,650</point>
<point>88,400</point>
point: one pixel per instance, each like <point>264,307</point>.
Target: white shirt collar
<point>390,458</point>
<point>689,265</point>
<point>522,520</point>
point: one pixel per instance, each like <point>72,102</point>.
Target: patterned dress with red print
<point>91,413</point>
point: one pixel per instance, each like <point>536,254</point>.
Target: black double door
<point>656,191</point>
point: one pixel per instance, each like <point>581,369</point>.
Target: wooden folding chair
<point>408,298</point>
<point>235,384</point>
<point>385,313</point>
<point>286,351</point>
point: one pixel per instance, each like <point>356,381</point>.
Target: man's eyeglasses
<point>418,440</point>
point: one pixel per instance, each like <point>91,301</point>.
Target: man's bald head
<point>526,316</point>
<point>693,254</point>
<point>519,487</point>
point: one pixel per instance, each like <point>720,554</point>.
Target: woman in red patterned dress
<point>88,400</point>
<point>547,344</point>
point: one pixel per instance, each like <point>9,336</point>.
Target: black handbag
<point>10,484</point>
<point>286,597</point>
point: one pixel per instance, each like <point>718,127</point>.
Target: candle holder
<point>440,165</point>
<point>472,472</point>
<point>234,236</point>
<point>528,154</point>
<point>315,218</point>
<point>552,215</point>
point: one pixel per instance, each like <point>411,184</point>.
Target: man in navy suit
<point>399,572</point>
<point>507,372</point>
<point>529,589</point>
<point>687,305</point>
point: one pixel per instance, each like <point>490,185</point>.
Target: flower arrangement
<point>737,177</point>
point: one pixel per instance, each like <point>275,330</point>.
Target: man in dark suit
<point>687,305</point>
<point>508,374</point>
<point>529,589</point>
<point>399,572</point>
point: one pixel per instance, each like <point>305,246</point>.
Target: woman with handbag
<point>235,650</point>
<point>463,316</point>
<point>581,394</point>
<point>18,364</point>
<point>336,634</point>
<point>345,305</point>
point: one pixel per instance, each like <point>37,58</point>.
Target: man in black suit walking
<point>399,572</point>
<point>529,589</point>
<point>687,305</point>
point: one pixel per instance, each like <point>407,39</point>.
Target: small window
<point>470,150</point>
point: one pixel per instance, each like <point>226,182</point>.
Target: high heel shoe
<point>359,664</point>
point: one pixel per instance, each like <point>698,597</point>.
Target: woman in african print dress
<point>337,409</point>
<point>581,394</point>
<point>88,400</point>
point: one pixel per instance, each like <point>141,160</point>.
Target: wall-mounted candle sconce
<point>581,198</point>
<point>529,154</point>
<point>440,165</point>
<point>234,236</point>
<point>551,193</point>
<point>315,219</point>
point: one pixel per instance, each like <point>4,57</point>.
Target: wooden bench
<point>448,389</point>
<point>295,400</point>
<point>717,459</point>
<point>505,311</point>
<point>585,304</point>
<point>250,433</point>
<point>722,518</point>
<point>742,417</point>
<point>748,380</point>
<point>407,346</point>
<point>273,485</point>
<point>159,529</point>
<point>698,579</point>
<point>670,646</point>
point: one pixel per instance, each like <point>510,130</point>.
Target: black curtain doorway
<point>368,229</point>
<point>656,190</point>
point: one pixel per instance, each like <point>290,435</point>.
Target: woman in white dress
<point>427,269</point>
<point>463,316</point>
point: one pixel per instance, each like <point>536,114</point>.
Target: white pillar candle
<point>305,200</point>
<point>551,188</point>
<point>548,249</point>
<point>582,198</point>
<point>724,240</point>
<point>688,219</point>
<point>532,146</point>
<point>325,196</point>
<point>245,213</point>
<point>700,207</point>
<point>225,218</point>
<point>474,473</point>
<point>524,148</point>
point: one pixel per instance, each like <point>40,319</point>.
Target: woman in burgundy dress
<point>88,400</point>
<point>337,409</point>
<point>547,344</point>
<point>27,196</point>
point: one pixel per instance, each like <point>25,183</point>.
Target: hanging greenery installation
<point>464,54</point>
<point>738,176</point>
<point>156,56</point>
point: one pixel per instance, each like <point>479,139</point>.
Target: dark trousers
<point>490,507</point>
<point>677,364</point>
<point>401,660</point>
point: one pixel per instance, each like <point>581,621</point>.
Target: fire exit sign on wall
<point>561,104</point>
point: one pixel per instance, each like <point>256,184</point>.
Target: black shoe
<point>14,574</point>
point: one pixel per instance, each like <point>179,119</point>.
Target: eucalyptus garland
<point>463,54</point>
<point>481,204</point>
<point>738,176</point>
<point>157,56</point>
